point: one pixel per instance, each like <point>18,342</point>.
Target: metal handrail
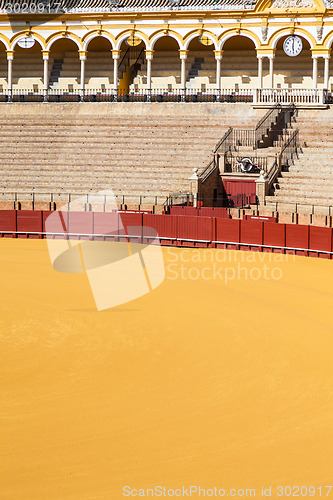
<point>267,115</point>
<point>223,140</point>
<point>290,146</point>
<point>208,170</point>
<point>120,70</point>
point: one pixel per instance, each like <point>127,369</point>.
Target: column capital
<point>324,53</point>
<point>10,54</point>
<point>115,54</point>
<point>218,54</point>
<point>46,55</point>
<point>183,53</point>
<point>83,55</point>
<point>149,54</point>
<point>269,53</point>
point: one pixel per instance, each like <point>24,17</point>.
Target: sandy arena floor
<point>200,382</point>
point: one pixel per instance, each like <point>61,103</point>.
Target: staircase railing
<point>123,63</point>
<point>225,143</point>
<point>221,148</point>
<point>289,148</point>
<point>134,69</point>
<point>208,170</point>
<point>273,124</point>
<point>287,152</point>
<point>265,123</point>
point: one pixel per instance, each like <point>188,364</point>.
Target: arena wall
<point>176,230</point>
<point>181,109</point>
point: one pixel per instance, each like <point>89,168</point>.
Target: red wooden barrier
<point>221,212</point>
<point>81,223</point>
<point>274,235</point>
<point>188,229</point>
<point>29,221</point>
<point>175,230</point>
<point>251,231</point>
<point>106,223</point>
<point>165,225</point>
<point>130,219</point>
<point>297,237</point>
<point>228,230</point>
<point>261,217</point>
<point>320,238</point>
<point>8,221</point>
<point>56,224</point>
<point>45,215</point>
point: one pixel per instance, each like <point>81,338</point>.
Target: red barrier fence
<point>221,212</point>
<point>175,230</point>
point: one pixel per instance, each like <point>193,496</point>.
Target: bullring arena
<point>166,236</point>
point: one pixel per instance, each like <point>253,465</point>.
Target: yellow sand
<point>197,383</point>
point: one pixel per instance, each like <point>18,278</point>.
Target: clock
<point>293,46</point>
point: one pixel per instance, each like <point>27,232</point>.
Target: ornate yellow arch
<point>166,32</point>
<point>21,34</point>
<point>328,40</point>
<point>66,35</point>
<point>199,32</point>
<point>124,34</point>
<point>238,32</point>
<point>5,41</point>
<point>286,31</point>
<point>86,39</point>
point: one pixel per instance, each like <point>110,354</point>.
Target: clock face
<point>293,46</point>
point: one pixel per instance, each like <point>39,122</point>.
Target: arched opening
<point>131,62</point>
<point>201,64</point>
<point>64,66</point>
<point>99,65</point>
<point>27,68</point>
<point>3,68</point>
<point>239,67</point>
<point>294,72</point>
<point>165,73</point>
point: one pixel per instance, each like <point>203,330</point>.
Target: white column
<point>148,73</point>
<point>271,72</point>
<point>218,58</point>
<point>260,78</point>
<point>116,57</point>
<point>46,74</point>
<point>149,57</point>
<point>326,71</point>
<point>10,57</point>
<point>183,57</point>
<point>315,72</point>
<point>83,58</point>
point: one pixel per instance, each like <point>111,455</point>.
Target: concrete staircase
<point>310,179</point>
<point>135,149</point>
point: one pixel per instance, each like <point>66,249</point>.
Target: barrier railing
<point>125,95</point>
<point>175,230</point>
<point>236,164</point>
<point>60,198</point>
<point>269,97</point>
<point>310,97</point>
